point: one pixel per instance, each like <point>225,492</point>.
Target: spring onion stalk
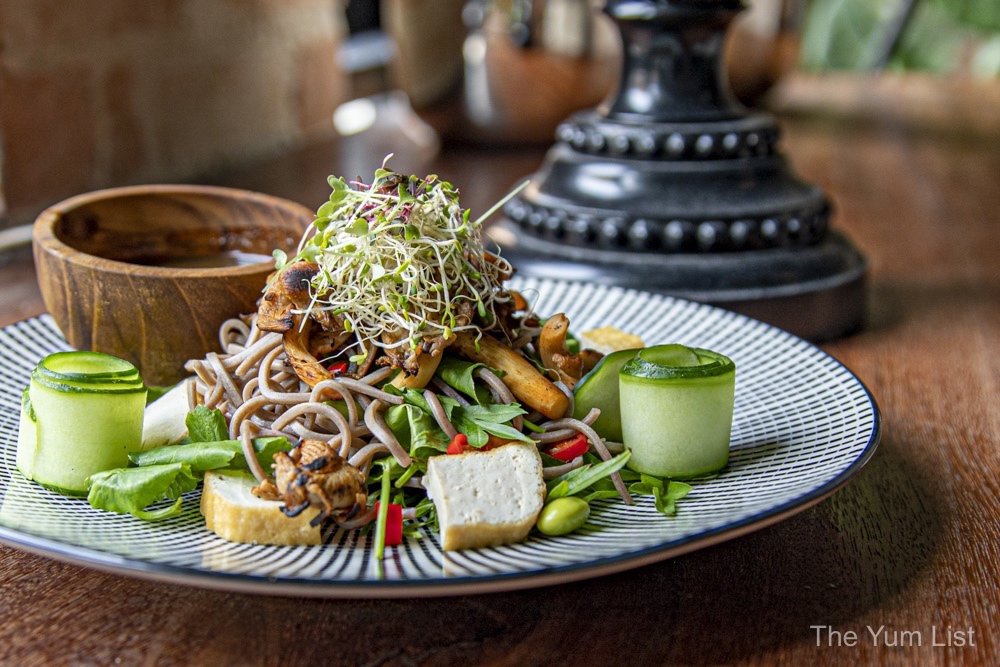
<point>383,510</point>
<point>405,477</point>
<point>81,414</point>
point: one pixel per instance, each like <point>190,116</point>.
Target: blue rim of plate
<point>457,585</point>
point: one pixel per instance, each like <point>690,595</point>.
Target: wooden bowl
<point>136,271</point>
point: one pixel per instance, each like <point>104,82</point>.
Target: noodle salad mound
<point>389,338</point>
<point>390,381</point>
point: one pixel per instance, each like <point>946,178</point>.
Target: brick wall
<point>107,92</point>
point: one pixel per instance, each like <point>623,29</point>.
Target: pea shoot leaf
<point>665,492</point>
<point>416,429</point>
<point>206,425</point>
<point>478,422</point>
<point>132,490</point>
<point>586,476</point>
<point>199,456</point>
<point>460,375</point>
<point>204,456</point>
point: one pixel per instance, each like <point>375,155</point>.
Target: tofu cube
<point>486,498</point>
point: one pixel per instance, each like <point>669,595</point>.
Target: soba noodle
<point>255,387</point>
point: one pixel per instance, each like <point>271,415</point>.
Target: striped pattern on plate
<point>803,425</point>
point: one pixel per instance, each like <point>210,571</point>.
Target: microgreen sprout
<point>399,256</point>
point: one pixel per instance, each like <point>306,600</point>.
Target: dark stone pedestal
<point>673,187</point>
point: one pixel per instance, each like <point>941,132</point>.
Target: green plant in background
<point>930,35</point>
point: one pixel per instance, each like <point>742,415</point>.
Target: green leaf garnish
<point>198,456</point>
<point>204,456</point>
<point>459,375</point>
<point>585,476</point>
<point>416,430</point>
<point>132,490</point>
<point>665,492</point>
<point>206,425</point>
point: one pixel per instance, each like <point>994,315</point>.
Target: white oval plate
<point>803,426</point>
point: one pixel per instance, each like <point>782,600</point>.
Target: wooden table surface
<point>910,544</point>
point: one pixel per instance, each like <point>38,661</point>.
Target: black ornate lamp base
<point>815,292</point>
<point>673,187</point>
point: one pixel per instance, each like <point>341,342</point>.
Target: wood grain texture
<point>911,544</point>
<point>103,268</point>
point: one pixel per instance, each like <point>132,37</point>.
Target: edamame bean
<point>563,515</point>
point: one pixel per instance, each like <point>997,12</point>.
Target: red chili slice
<point>338,368</point>
<point>393,524</point>
<point>458,444</point>
<point>567,450</point>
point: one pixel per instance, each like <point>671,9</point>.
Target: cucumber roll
<point>677,410</point>
<point>82,413</point>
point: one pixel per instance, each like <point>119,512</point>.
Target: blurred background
<point>94,94</point>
